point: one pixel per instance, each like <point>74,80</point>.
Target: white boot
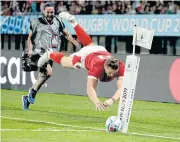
<point>44,58</point>
<point>68,17</point>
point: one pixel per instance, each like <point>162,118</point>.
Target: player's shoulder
<point>34,20</point>
<point>97,70</point>
<point>103,54</point>
<point>98,67</point>
<point>59,21</point>
<point>99,61</point>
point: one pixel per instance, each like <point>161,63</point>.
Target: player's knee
<point>49,73</point>
<point>66,62</point>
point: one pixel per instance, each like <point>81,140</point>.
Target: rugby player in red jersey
<point>99,63</point>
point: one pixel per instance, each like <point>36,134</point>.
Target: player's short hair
<point>113,63</point>
<point>49,4</point>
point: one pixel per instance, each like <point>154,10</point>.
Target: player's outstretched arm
<point>116,96</point>
<point>91,91</point>
<point>30,46</point>
<point>69,37</point>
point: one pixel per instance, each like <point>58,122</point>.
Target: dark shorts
<point>43,68</point>
<point>35,57</point>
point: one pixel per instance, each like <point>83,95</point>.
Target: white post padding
<point>141,37</point>
<point>128,91</point>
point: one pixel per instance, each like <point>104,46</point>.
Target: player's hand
<point>100,106</point>
<point>109,102</point>
<point>75,42</point>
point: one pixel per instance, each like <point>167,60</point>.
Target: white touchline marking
<point>92,129</point>
<point>45,130</point>
<point>155,136</point>
<point>52,123</point>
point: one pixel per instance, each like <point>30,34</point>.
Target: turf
<point>69,118</point>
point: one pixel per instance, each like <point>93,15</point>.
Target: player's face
<point>109,71</point>
<point>49,13</point>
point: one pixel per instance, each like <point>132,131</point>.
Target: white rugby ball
<point>112,124</point>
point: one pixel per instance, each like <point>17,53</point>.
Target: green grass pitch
<point>69,118</point>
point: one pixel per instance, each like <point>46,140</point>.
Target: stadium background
<point>110,24</point>
<point>158,78</point>
<point>167,45</point>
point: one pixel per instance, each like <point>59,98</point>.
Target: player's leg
<point>42,77</point>
<point>67,62</point>
<point>71,61</point>
<point>60,58</point>
<point>30,98</point>
<point>57,57</point>
<point>44,74</point>
<point>82,36</point>
<point>25,102</point>
<point>50,55</point>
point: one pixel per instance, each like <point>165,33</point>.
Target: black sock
<point>33,93</point>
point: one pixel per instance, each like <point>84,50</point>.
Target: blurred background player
<point>44,33</point>
<point>101,65</point>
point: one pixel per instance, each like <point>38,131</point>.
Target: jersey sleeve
<point>96,69</point>
<point>33,24</point>
<point>121,69</point>
<point>95,73</point>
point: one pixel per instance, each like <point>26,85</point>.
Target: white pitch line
<point>155,136</point>
<point>52,123</point>
<point>44,130</point>
<point>75,126</point>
